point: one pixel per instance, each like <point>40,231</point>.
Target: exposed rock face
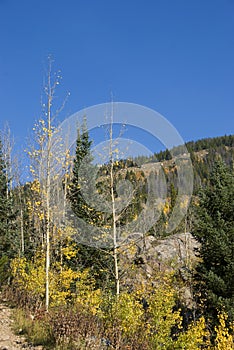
<point>150,255</point>
<point>175,250</point>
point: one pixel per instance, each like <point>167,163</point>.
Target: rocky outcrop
<point>149,255</point>
<point>173,251</point>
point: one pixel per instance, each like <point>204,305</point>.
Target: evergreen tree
<point>22,196</point>
<point>173,195</point>
<point>100,261</point>
<point>78,203</point>
<point>214,229</point>
<point>8,239</point>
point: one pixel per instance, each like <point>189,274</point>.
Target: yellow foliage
<point>30,206</point>
<point>87,296</point>
<point>69,251</point>
<point>196,336</point>
<point>128,313</point>
<point>41,216</point>
<point>124,313</point>
<point>166,208</point>
<point>18,270</point>
<point>35,186</point>
<point>60,285</point>
<point>162,317</point>
<point>29,275</point>
<point>224,339</point>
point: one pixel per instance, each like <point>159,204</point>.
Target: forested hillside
<point>203,154</point>
<point>74,290</point>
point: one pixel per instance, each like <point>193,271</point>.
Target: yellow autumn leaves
<point>66,285</point>
<point>148,312</point>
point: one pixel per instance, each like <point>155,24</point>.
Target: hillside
<point>118,277</point>
<point>203,154</point>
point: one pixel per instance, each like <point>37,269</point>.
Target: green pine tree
<point>82,170</point>
<point>100,261</point>
<point>8,239</point>
<point>214,229</point>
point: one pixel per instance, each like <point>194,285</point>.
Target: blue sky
<point>174,56</point>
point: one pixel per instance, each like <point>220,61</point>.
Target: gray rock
<point>149,252</point>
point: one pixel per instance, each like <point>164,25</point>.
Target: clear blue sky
<point>174,56</point>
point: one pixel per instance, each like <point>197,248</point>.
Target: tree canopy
<point>214,229</point>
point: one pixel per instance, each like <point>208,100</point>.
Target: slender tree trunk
<point>44,158</point>
<point>114,234</point>
<point>21,218</point>
<point>47,257</point>
<point>114,230</point>
<point>22,230</point>
<point>48,190</point>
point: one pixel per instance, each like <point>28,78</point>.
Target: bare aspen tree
<point>114,217</point>
<point>49,93</point>
<point>45,157</point>
<point>21,224</point>
<point>118,204</point>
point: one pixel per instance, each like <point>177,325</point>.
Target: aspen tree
<point>45,157</point>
